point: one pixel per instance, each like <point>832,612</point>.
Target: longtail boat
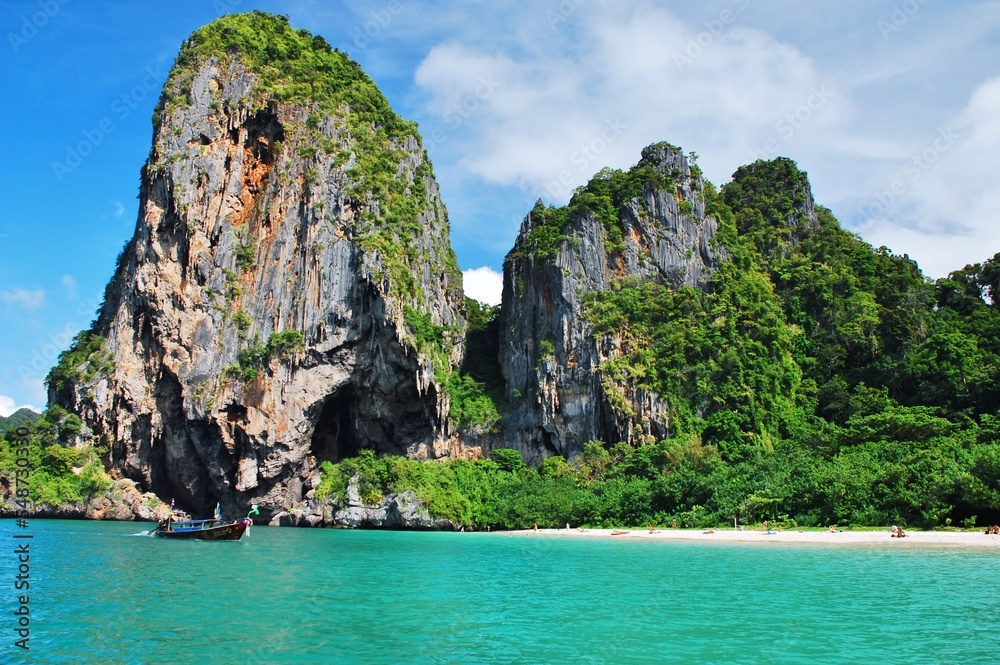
<point>179,525</point>
<point>211,529</point>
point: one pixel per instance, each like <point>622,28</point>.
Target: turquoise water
<point>101,595</point>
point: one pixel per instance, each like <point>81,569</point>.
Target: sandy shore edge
<point>956,539</point>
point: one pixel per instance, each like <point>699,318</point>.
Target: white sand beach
<point>912,538</point>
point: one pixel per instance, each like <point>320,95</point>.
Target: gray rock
<point>122,502</point>
<point>558,402</point>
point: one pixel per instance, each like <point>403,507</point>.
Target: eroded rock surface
<point>549,359</point>
<point>255,324</point>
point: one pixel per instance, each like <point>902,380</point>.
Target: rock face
<point>402,511</point>
<point>123,501</point>
<point>258,321</point>
<point>549,360</point>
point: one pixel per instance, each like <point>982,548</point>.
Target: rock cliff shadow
<point>334,437</point>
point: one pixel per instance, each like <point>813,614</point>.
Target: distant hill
<point>17,419</point>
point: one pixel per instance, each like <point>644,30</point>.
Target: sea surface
<point>100,593</point>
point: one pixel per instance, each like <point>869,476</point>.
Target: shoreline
<point>883,538</point>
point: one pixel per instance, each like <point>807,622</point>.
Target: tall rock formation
<point>647,224</point>
<point>272,310</point>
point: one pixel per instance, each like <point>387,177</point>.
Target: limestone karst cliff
<point>270,311</point>
<point>290,297</point>
<point>651,225</point>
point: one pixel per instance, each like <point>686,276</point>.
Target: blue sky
<point>891,107</point>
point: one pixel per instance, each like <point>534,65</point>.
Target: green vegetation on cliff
<point>291,66</point>
<point>604,196</point>
<point>255,356</point>
<point>475,390</point>
<point>722,359</point>
<point>85,360</point>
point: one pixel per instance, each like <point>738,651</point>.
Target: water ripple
<point>320,596</point>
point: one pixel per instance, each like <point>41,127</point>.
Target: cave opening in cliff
<point>334,437</point>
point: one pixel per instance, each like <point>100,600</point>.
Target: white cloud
<point>119,209</point>
<point>23,298</point>
<point>942,202</point>
<point>9,406</point>
<point>483,284</point>
<point>637,75</point>
<point>733,80</point>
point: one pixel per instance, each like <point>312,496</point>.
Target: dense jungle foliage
<point>815,380</point>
